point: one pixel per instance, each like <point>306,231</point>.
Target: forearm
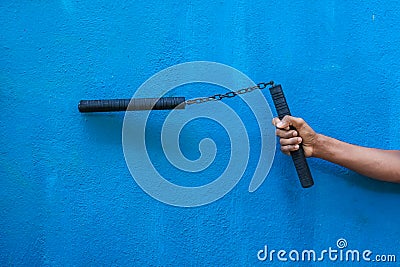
<point>375,163</point>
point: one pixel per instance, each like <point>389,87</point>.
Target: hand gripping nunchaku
<point>167,103</point>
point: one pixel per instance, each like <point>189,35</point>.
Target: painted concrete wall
<point>67,197</point>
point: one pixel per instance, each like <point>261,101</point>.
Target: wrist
<point>318,147</point>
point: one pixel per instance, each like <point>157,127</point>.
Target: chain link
<point>231,94</point>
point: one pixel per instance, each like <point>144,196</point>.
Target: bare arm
<point>375,163</point>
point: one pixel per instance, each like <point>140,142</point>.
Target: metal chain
<point>231,94</point>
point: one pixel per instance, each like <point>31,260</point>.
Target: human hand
<point>291,139</point>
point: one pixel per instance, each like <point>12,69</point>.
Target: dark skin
<point>378,164</point>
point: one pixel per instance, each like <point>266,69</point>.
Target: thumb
<point>291,121</point>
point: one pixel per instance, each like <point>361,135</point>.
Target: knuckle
<point>282,134</point>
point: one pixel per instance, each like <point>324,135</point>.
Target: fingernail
<point>279,124</point>
<point>296,147</point>
<point>294,133</point>
<point>299,139</point>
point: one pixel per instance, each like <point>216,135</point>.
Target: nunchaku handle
<point>298,157</point>
<point>135,104</point>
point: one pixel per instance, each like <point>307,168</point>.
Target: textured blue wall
<point>67,197</point>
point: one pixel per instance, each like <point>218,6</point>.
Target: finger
<point>278,123</point>
<point>275,121</point>
<point>282,124</point>
<point>289,148</point>
<point>293,121</point>
<point>290,141</point>
<point>286,134</point>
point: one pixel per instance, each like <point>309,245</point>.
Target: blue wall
<point>67,197</point>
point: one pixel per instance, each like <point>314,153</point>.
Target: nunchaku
<point>168,103</point>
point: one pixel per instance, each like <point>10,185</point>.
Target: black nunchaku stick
<point>165,103</point>
<point>298,157</point>
<point>136,104</point>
